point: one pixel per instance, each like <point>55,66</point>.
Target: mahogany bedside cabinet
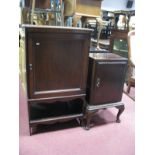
<point>53,71</point>
<point>106,76</point>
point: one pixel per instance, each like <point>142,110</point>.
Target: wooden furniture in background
<point>22,56</point>
<point>56,63</point>
<point>86,9</point>
<point>90,8</point>
<point>131,60</point>
<point>69,7</point>
<point>42,12</point>
<point>118,42</point>
<point>127,14</point>
<point>104,44</point>
<point>43,4</point>
<point>105,84</point>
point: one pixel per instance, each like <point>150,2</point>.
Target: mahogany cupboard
<point>105,84</point>
<point>54,71</point>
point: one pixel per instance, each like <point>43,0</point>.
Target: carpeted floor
<point>105,138</point>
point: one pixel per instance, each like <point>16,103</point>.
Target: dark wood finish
<point>91,110</point>
<point>121,109</point>
<point>44,113</point>
<point>105,83</point>
<point>56,66</point>
<point>46,68</point>
<point>105,78</point>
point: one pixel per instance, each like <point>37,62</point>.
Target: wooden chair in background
<point>131,60</point>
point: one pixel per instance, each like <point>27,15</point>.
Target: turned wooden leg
<point>87,120</point>
<point>121,109</point>
<point>128,88</point>
<point>89,115</point>
<point>84,112</point>
<point>83,122</point>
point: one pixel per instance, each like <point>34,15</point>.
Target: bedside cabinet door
<point>109,81</point>
<point>57,64</point>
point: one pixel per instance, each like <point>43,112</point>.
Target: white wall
<point>113,5</point>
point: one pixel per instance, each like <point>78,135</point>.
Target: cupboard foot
<point>120,111</point>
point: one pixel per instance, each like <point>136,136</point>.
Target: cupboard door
<point>109,82</point>
<point>57,64</point>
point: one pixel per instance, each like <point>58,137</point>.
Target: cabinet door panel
<point>109,81</point>
<point>58,65</point>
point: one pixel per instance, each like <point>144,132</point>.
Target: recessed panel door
<point>109,82</point>
<point>57,65</point>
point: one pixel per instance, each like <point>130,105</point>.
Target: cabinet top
<point>106,56</point>
<point>48,27</point>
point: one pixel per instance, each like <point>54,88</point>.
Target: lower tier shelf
<point>54,119</point>
<point>45,113</point>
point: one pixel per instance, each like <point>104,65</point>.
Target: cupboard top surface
<point>106,56</point>
<point>28,26</point>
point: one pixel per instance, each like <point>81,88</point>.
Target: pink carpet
<point>105,138</point>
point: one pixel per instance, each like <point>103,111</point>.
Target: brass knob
<point>98,82</point>
<point>37,43</point>
<point>30,66</point>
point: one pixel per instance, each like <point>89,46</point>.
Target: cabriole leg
<point>121,109</point>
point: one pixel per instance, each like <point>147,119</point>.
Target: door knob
<point>98,82</point>
<point>37,43</point>
<point>30,66</point>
